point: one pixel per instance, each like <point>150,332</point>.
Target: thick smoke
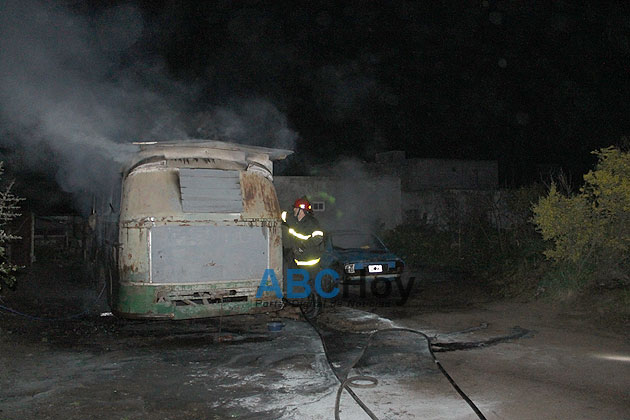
<point>54,95</point>
<point>75,92</point>
<point>250,122</point>
<point>358,196</point>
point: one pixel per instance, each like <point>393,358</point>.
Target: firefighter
<point>303,243</point>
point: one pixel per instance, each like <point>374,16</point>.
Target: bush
<point>422,245</point>
<point>487,235</point>
<point>589,232</point>
<point>8,211</point>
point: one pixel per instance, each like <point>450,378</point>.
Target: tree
<point>8,211</point>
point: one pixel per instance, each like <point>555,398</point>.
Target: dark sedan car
<point>357,255</point>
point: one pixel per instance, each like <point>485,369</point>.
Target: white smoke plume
<point>75,92</point>
<point>255,122</point>
<point>356,195</point>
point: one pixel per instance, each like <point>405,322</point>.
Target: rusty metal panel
<point>202,254</point>
<point>210,191</point>
<point>260,197</point>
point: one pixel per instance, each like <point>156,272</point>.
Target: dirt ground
<point>566,366</point>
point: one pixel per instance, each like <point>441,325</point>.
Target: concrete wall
<point>423,174</point>
<point>365,203</point>
<point>393,190</point>
<point>441,174</point>
<point>445,207</point>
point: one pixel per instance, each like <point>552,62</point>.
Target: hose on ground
<point>347,383</point>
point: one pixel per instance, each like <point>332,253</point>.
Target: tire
<point>382,289</point>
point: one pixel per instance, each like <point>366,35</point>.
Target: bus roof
<point>199,148</point>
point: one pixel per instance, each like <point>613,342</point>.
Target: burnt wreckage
<point>199,223</point>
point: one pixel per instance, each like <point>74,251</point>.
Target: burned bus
<point>198,225</point>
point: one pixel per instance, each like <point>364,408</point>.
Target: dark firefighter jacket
<point>303,239</point>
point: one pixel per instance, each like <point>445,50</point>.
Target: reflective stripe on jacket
<point>305,238</point>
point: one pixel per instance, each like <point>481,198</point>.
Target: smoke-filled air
<point>76,91</point>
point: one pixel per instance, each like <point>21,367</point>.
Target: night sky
<point>525,82</point>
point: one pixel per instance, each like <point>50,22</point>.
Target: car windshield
<point>356,240</point>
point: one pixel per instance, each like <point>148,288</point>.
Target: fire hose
<point>363,381</point>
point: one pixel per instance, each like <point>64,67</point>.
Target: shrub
<point>8,211</point>
<point>589,231</point>
<point>488,235</point>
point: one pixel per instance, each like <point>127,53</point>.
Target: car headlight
<point>349,268</point>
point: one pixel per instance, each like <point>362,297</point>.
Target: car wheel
<point>382,288</point>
